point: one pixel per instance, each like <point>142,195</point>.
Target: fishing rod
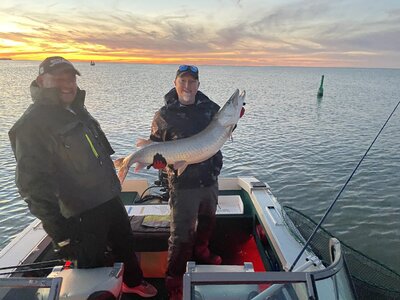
<point>54,262</point>
<point>27,270</point>
<point>340,192</point>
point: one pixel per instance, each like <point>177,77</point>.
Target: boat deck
<point>251,234</point>
<point>234,239</point>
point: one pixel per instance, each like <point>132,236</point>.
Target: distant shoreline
<point>207,65</point>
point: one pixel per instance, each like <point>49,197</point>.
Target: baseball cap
<point>56,64</point>
<point>187,69</point>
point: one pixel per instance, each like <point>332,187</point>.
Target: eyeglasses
<point>184,68</point>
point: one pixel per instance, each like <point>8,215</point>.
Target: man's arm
<point>35,179</point>
<point>158,134</point>
<point>158,128</point>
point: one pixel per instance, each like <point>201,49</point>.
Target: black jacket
<point>176,121</point>
<point>63,160</point>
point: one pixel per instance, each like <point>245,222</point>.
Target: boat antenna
<point>340,192</point>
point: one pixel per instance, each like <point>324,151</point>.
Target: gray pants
<point>192,223</point>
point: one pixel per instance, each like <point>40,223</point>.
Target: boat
<point>255,237</point>
<point>92,63</point>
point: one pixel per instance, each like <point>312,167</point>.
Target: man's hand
<point>66,249</point>
<point>159,162</point>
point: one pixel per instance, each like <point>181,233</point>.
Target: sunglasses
<point>184,68</point>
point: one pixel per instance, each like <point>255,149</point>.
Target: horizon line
<point>203,64</point>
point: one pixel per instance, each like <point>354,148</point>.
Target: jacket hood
<point>50,96</point>
<point>171,98</point>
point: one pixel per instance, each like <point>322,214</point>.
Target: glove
<point>159,162</point>
<point>66,249</point>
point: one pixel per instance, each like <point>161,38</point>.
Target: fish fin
<point>231,132</point>
<point>139,166</point>
<point>180,166</point>
<point>140,143</point>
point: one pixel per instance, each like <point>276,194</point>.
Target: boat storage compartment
<point>150,223</point>
<point>206,290</point>
<point>150,238</point>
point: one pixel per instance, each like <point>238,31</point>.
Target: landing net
<point>372,280</point>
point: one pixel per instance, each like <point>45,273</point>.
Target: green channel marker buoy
<point>321,89</point>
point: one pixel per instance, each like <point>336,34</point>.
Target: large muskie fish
<point>191,150</point>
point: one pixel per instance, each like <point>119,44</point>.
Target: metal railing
<point>201,276</point>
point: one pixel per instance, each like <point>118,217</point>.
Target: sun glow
<point>9,43</point>
<point>9,27</point>
<point>282,33</point>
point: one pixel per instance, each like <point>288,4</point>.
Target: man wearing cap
<point>65,174</point>
<point>193,194</point>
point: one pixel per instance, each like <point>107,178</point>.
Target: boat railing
<point>206,282</point>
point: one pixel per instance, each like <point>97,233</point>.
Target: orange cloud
<point>301,34</point>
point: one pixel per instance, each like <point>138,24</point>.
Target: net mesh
<point>372,280</point>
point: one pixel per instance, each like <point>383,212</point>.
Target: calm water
<point>303,147</point>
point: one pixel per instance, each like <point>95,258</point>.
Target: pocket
<point>78,149</point>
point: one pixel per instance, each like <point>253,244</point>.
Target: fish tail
<point>122,172</point>
<point>118,162</point>
<point>121,165</point>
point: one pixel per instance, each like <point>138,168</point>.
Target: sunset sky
<point>341,33</point>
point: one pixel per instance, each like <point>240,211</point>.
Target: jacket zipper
<point>92,146</point>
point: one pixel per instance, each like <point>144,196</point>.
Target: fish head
<point>229,114</point>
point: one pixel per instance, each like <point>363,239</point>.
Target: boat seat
<point>84,283</point>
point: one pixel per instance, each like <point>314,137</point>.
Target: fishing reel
<point>163,183</point>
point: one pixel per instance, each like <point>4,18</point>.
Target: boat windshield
<point>30,288</point>
<point>213,282</point>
